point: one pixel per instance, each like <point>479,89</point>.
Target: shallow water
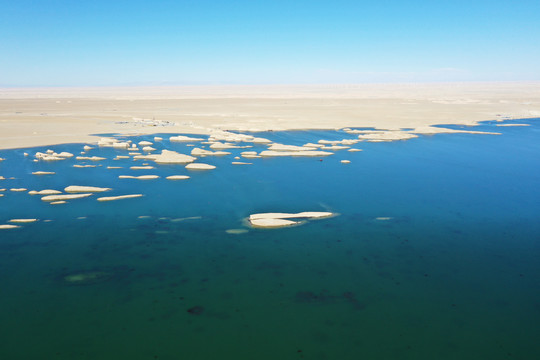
<point>453,274</point>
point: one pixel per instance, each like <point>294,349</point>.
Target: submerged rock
<point>196,310</point>
<point>236,231</point>
<point>87,278</point>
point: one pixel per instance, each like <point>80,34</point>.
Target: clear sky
<point>108,42</point>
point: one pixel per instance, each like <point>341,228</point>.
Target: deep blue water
<point>454,274</point>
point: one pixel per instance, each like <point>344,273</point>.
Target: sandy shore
<point>46,116</point>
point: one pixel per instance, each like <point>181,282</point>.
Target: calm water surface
<point>452,273</point>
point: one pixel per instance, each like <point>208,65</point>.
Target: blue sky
<point>107,43</point>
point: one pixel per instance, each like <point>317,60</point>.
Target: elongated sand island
<point>47,116</point>
<point>278,220</point>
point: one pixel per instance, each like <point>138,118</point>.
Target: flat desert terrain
<point>47,116</point>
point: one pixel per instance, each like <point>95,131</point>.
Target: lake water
<point>435,254</point>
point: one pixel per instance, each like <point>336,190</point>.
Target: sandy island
<point>47,116</point>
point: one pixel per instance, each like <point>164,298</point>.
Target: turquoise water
<point>453,274</point>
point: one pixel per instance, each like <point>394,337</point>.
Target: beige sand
<point>177,177</point>
<point>167,157</point>
<point>52,156</point>
<point>301,215</point>
<point>6,226</point>
<point>56,198</point>
<point>271,153</point>
<point>272,223</point>
<point>203,152</point>
<point>44,192</point>
<point>84,189</point>
<point>182,138</point>
<point>120,197</point>
<point>142,177</point>
<point>22,221</point>
<point>200,166</point>
<point>277,220</point>
<point>91,158</point>
<point>32,117</point>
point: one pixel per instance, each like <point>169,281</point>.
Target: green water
<point>454,274</point>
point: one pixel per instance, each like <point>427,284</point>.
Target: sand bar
<point>301,215</point>
<point>120,197</point>
<point>22,221</point>
<point>200,166</point>
<point>8,226</point>
<point>208,109</point>
<point>203,152</point>
<point>44,192</point>
<point>272,223</point>
<point>141,177</point>
<point>84,189</point>
<point>277,220</point>
<point>182,138</point>
<point>55,198</point>
<point>272,153</point>
<point>167,157</point>
<point>177,177</point>
<point>91,158</point>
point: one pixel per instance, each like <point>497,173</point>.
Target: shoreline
<point>52,116</point>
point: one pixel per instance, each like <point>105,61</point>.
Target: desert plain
<point>46,116</point>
